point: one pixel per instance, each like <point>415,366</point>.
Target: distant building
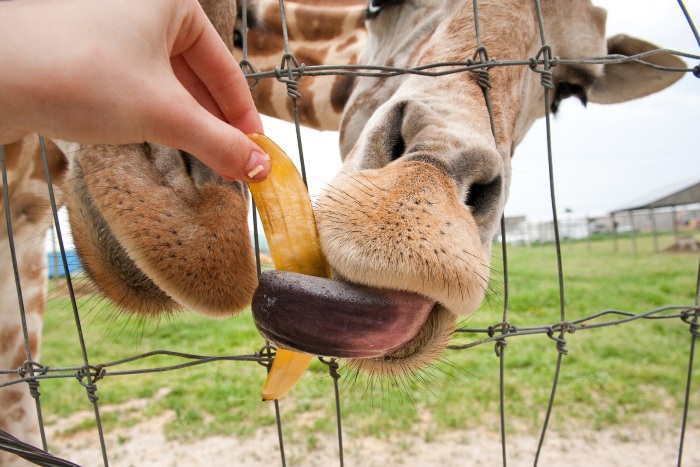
<point>676,210</point>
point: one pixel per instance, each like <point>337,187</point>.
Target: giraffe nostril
<point>396,144</point>
<point>484,197</point>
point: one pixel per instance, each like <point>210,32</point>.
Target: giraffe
<point>426,168</point>
<point>31,217</point>
<point>392,132</point>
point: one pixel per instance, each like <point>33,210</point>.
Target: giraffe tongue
<point>336,319</point>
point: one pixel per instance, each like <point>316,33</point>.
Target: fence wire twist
<point>89,374</point>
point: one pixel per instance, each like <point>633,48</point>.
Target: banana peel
<point>288,220</point>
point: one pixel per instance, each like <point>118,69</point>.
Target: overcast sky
<point>605,157</point>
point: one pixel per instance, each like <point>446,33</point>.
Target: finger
<point>195,86</point>
<point>219,145</point>
<point>212,62</point>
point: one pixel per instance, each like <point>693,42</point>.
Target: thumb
<point>219,145</point>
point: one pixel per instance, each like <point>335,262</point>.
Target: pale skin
<point>127,71</point>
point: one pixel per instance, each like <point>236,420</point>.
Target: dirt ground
<point>652,443</point>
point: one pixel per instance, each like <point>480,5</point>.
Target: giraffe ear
<point>375,6</point>
<point>631,80</point>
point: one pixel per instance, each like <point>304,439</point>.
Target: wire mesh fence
<point>560,329</point>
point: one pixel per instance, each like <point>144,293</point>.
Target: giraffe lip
<point>336,319</point>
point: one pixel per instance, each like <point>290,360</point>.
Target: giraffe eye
<point>375,6</point>
<point>238,39</point>
<point>565,90</point>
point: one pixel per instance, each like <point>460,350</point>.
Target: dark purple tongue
<point>336,319</point>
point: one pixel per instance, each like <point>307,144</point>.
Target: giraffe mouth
<point>173,237</point>
<point>336,318</point>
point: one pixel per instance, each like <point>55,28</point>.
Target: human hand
<point>127,71</point>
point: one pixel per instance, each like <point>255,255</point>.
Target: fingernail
<point>258,163</point>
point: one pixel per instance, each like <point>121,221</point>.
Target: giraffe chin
<point>379,331</point>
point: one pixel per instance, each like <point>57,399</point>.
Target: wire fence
<point>89,373</point>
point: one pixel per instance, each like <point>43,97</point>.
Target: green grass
<point>610,376</point>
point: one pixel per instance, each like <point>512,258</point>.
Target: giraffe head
<point>426,166</point>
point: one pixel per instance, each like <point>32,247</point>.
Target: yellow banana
<point>288,220</point>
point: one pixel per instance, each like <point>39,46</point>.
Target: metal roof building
<point>688,195</point>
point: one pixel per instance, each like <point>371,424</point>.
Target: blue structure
<point>56,263</point>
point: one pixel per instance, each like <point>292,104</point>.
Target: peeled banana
<point>288,220</point>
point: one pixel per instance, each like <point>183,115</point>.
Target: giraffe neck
<point>31,217</point>
<point>320,32</point>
